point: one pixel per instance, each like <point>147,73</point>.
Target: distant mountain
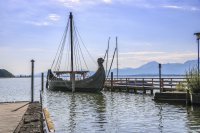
<point>5,74</point>
<point>151,68</point>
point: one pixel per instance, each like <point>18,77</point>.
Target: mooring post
<point>143,86</point>
<point>32,80</point>
<point>152,85</point>
<point>42,82</point>
<point>187,97</point>
<point>111,81</point>
<point>160,78</point>
<point>73,82</point>
<point>41,97</point>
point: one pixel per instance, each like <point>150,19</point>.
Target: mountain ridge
<point>5,74</point>
<point>151,68</point>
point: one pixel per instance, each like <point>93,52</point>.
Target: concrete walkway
<point>10,115</point>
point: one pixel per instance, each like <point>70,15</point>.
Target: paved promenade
<point>10,115</point>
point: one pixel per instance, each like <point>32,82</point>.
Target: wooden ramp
<point>10,115</point>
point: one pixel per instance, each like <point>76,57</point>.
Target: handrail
<point>166,83</point>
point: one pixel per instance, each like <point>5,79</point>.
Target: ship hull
<point>94,83</point>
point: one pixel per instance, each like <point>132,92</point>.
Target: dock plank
<point>10,115</point>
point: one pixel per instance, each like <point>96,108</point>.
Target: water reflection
<point>106,112</point>
<point>193,118</point>
<point>100,110</point>
<point>80,111</point>
<point>72,113</point>
<point>160,125</point>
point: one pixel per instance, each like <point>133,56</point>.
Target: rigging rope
<point>80,67</point>
<point>79,47</point>
<point>64,36</point>
<point>79,59</point>
<point>84,44</point>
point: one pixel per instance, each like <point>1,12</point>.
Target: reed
<point>193,81</point>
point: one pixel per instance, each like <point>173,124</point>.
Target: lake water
<point>106,112</point>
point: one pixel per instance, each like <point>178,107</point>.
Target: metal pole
<point>160,78</point>
<point>32,80</point>
<point>42,80</point>
<point>198,37</point>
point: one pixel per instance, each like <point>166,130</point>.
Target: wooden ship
<point>56,82</point>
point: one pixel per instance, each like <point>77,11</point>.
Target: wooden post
<point>144,91</point>
<point>135,85</point>
<point>187,97</point>
<point>72,55</point>
<point>32,80</point>
<point>126,83</point>
<point>73,82</point>
<point>111,81</point>
<point>42,82</point>
<point>41,97</point>
<point>171,83</point>
<point>160,78</point>
<point>152,86</point>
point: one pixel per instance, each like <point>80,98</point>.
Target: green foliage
<point>193,81</point>
<point>181,87</point>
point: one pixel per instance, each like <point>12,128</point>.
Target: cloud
<point>46,21</point>
<point>43,23</point>
<point>107,1</point>
<point>54,17</point>
<point>81,5</point>
<point>172,7</point>
<point>136,59</point>
<point>143,53</point>
<point>76,5</point>
<point>194,9</point>
<point>158,56</point>
<point>186,8</point>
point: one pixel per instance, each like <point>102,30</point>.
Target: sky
<point>147,30</point>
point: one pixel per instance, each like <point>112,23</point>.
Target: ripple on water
<point>116,112</point>
<point>106,112</point>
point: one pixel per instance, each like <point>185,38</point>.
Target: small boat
<point>93,83</point>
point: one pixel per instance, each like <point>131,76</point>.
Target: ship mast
<point>117,57</point>
<point>72,76</point>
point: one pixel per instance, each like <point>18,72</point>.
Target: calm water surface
<point>106,112</point>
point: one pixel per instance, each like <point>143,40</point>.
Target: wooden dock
<point>21,117</point>
<point>32,121</point>
<point>11,115</point>
<point>174,97</point>
<point>143,84</point>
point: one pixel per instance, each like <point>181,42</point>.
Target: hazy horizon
<point>147,30</point>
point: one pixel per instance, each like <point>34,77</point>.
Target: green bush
<point>193,81</point>
<point>181,87</point>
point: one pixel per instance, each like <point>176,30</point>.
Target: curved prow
<point>100,62</point>
<point>50,76</point>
